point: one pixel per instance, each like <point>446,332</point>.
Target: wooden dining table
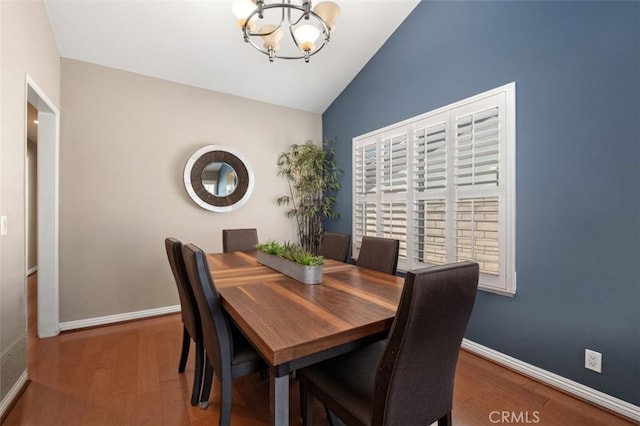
<point>293,325</point>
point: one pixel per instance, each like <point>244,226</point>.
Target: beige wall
<point>125,139</point>
<point>26,47</point>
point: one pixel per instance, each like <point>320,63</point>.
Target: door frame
<point>48,209</point>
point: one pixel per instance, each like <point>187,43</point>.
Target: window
<point>443,183</point>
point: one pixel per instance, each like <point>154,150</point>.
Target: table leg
<point>279,400</point>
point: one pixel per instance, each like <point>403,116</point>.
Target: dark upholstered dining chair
<point>192,328</point>
<point>229,354</point>
<point>407,379</point>
<point>380,254</point>
<point>239,239</point>
<point>335,246</point>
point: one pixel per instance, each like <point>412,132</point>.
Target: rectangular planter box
<point>302,273</point>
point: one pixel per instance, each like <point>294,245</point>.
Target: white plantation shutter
<point>394,164</point>
<point>478,148</point>
<point>366,220</point>
<point>480,190</point>
<point>430,182</point>
<point>430,158</point>
<point>394,224</point>
<point>366,182</point>
<point>365,169</point>
<point>443,183</point>
<point>393,200</point>
<point>380,189</point>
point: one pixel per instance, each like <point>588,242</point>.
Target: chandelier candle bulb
<point>271,36</point>
<point>243,9</point>
<point>306,35</point>
<point>328,11</point>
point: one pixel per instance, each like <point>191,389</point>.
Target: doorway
<point>47,170</point>
<point>31,220</point>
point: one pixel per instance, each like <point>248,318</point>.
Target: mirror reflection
<point>219,179</point>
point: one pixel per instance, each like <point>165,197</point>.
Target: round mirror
<point>218,178</point>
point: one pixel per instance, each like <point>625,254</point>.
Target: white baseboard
<point>13,393</point>
<point>574,388</point>
<point>111,319</point>
<point>32,270</point>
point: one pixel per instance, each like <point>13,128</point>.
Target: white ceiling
<point>198,43</point>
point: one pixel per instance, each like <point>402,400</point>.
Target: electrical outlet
<point>593,360</point>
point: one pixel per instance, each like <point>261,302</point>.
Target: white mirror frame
<point>221,204</point>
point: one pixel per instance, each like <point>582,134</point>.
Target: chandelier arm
<point>259,8</point>
<point>288,12</point>
<point>295,40</point>
<point>306,4</point>
<point>259,49</point>
<point>297,22</point>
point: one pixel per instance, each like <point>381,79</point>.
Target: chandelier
<point>304,24</point>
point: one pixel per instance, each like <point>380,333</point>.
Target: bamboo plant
<point>313,178</point>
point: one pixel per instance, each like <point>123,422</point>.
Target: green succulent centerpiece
<point>290,251</point>
<point>291,260</point>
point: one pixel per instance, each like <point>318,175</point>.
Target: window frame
<point>503,99</point>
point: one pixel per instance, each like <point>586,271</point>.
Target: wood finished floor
<point>127,375</point>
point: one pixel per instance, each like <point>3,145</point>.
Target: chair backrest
<point>414,380</point>
<point>335,246</point>
<point>188,305</point>
<point>380,254</point>
<point>216,331</point>
<point>239,239</point>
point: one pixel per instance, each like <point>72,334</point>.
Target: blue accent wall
<point>577,71</point>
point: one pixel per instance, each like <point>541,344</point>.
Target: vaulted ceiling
<point>198,43</point>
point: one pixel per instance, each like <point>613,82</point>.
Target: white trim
<point>581,391</point>
<point>48,209</point>
<point>13,393</point>
<point>111,319</point>
<point>32,270</point>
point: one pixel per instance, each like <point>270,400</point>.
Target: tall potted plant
<point>313,178</point>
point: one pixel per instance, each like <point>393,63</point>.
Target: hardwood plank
<point>236,259</point>
<point>351,303</point>
<point>382,295</point>
<point>62,394</point>
<point>260,313</point>
<point>483,390</point>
